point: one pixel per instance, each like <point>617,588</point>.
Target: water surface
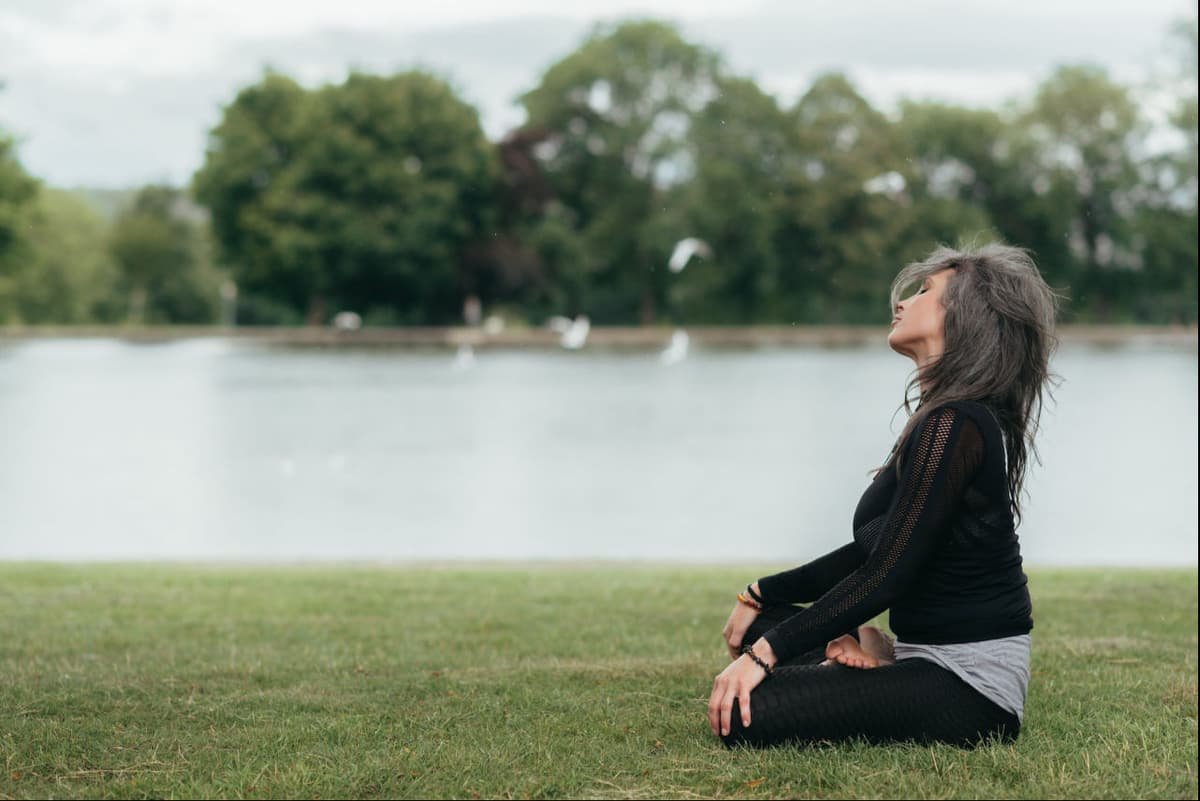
<point>217,449</point>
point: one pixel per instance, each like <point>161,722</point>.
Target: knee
<point>741,735</point>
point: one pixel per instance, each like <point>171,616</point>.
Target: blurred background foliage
<point>382,195</point>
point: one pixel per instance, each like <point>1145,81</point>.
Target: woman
<point>934,540</point>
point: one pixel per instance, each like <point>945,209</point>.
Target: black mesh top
<point>937,547</point>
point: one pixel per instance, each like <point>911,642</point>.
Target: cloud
<point>111,94</point>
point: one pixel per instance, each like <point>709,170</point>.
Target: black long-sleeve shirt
<point>937,546</point>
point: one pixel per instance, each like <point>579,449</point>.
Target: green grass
<point>508,681</point>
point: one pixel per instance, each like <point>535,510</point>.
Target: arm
<point>943,455</point>
<point>809,582</point>
<point>805,583</point>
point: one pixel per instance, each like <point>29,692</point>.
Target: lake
<point>221,449</point>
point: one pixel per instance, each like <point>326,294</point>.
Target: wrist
<point>753,593</point>
<point>744,598</point>
<point>764,651</point>
<point>749,653</point>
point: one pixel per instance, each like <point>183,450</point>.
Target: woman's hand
<point>735,681</point>
<point>735,628</point>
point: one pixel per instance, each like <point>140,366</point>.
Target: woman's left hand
<point>735,681</point>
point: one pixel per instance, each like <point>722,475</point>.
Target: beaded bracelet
<point>748,650</point>
<point>741,596</point>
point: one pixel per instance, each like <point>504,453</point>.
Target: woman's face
<point>918,329</point>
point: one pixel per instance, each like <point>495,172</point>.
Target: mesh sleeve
<point>943,455</point>
<point>810,581</point>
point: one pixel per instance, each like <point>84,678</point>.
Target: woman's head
<point>981,326</point>
<point>918,327</point>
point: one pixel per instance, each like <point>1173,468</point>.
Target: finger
<point>744,703</point>
<point>714,713</point>
<point>726,712</point>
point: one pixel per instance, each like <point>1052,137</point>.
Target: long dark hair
<point>999,337</point>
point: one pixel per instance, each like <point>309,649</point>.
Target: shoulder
<point>978,431</point>
<point>975,413</point>
<point>971,423</point>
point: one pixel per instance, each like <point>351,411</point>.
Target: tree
<point>1077,144</point>
<point>70,276</point>
<point>363,195</point>
<point>954,172</point>
<point>17,194</point>
<point>1166,219</point>
<point>388,196</point>
<point>845,206</point>
<point>252,148</point>
<point>739,142</point>
<point>615,115</point>
<point>534,258</point>
<point>163,266</point>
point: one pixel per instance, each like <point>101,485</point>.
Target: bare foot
<point>836,648</point>
<point>877,644</point>
<point>874,648</point>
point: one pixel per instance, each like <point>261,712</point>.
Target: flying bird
<point>684,250</point>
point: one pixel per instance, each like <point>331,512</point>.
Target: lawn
<point>544,681</point>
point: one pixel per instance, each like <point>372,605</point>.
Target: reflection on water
<point>219,449</point>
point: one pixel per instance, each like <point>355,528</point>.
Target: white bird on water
<point>575,336</point>
<point>464,359</point>
<point>559,324</point>
<point>347,321</point>
<point>684,250</point>
<point>677,350</point>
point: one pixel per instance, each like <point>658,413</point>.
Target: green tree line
<point>383,196</point>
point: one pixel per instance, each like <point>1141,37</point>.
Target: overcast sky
<point>121,92</point>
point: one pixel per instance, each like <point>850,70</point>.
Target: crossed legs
<point>819,697</point>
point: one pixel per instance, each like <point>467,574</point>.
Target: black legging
<point>913,700</point>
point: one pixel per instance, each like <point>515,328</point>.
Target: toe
<point>837,647</point>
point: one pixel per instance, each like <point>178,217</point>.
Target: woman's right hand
<point>735,628</point>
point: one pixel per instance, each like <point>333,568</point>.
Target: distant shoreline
<point>633,337</point>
